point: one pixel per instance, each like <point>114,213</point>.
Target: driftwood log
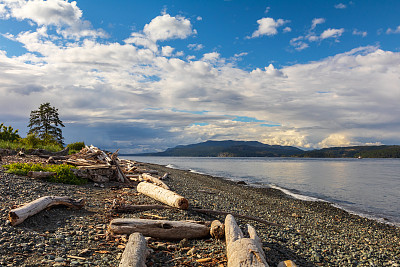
<point>136,208</point>
<point>135,252</point>
<point>243,251</point>
<point>148,178</point>
<point>162,229</point>
<point>18,215</point>
<point>163,195</point>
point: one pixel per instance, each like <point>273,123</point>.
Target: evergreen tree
<point>45,123</point>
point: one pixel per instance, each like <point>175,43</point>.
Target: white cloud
<point>64,15</point>
<point>335,140</point>
<point>360,33</point>
<point>302,42</point>
<point>140,39</point>
<point>165,27</point>
<point>389,30</point>
<point>268,26</point>
<point>287,29</point>
<point>167,51</point>
<point>340,6</point>
<point>316,22</point>
<point>270,70</point>
<point>331,33</point>
<point>213,56</point>
<point>195,47</point>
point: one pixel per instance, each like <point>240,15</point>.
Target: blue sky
<point>147,75</point>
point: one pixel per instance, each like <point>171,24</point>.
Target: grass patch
<point>20,145</point>
<point>63,172</point>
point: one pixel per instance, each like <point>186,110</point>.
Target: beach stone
<point>59,259</point>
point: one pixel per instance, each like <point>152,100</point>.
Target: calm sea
<point>368,187</point>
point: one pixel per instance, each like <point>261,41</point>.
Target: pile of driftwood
<point>96,165</point>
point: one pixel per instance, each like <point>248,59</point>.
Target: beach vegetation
<point>75,147</point>
<point>63,172</point>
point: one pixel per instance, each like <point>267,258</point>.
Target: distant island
<point>231,148</point>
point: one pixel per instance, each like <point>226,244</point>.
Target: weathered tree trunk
<point>135,252</point>
<point>163,229</point>
<point>217,229</point>
<point>18,215</point>
<point>163,195</point>
<point>147,177</point>
<point>41,175</point>
<point>243,251</point>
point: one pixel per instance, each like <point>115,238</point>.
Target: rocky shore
<point>311,233</point>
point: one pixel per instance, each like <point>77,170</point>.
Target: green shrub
<point>63,172</point>
<point>75,147</point>
<point>31,141</point>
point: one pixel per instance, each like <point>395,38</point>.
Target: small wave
<point>295,195</point>
<point>198,172</point>
<point>171,166</point>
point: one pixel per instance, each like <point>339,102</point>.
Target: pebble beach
<point>309,233</point>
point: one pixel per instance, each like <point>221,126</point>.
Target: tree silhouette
<point>45,123</point>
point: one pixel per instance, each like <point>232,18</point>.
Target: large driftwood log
<point>135,252</point>
<point>135,208</point>
<point>18,215</point>
<point>163,229</point>
<point>147,177</point>
<point>163,195</point>
<point>243,251</point>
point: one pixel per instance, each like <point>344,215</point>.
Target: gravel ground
<point>312,233</point>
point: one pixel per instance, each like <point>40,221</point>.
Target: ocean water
<point>368,187</point>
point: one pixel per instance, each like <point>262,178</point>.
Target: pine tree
<point>45,123</point>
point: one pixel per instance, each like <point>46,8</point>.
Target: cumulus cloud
<point>64,15</point>
<point>335,140</point>
<point>268,26</point>
<point>165,27</point>
<point>167,51</point>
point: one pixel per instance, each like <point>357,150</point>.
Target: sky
<point>143,76</point>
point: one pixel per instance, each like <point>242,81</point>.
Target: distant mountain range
<point>231,148</point>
